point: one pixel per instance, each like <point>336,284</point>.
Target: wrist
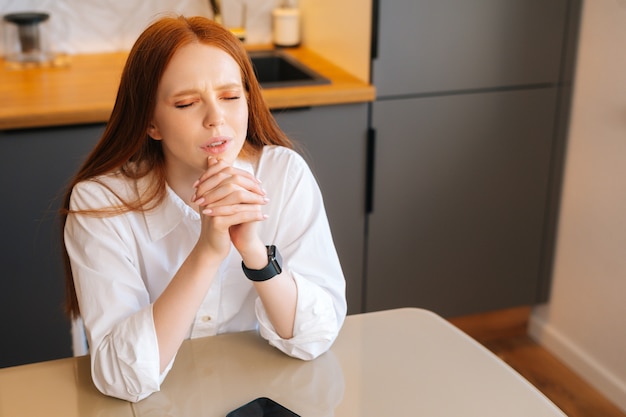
<point>207,257</point>
<point>256,257</point>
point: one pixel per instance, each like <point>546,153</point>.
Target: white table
<point>405,362</point>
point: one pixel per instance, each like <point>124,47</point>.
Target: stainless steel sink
<point>275,69</point>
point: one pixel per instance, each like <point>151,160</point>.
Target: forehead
<point>200,63</point>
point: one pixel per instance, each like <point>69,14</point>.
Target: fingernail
<point>207,211</point>
<point>267,200</point>
<point>195,184</point>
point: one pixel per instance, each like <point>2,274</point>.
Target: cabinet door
<point>332,139</point>
<point>35,165</point>
<point>459,201</point>
<point>446,45</point>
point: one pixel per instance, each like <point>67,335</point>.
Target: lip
<point>217,145</point>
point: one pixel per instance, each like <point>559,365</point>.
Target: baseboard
<point>579,361</point>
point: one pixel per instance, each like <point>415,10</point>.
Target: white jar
<point>286,26</point>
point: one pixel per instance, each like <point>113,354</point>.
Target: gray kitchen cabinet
<point>460,191</point>
<point>333,141</point>
<point>35,165</point>
<point>468,131</point>
<point>427,46</point>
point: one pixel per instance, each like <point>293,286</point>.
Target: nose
<point>214,115</point>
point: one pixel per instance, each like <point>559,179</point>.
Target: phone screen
<point>262,407</point>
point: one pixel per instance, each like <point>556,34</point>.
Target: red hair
<point>125,145</point>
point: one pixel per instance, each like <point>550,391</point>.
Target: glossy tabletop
<point>405,362</point>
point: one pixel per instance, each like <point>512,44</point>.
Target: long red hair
<point>125,145</point>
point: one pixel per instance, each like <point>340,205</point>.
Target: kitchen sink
<point>275,69</point>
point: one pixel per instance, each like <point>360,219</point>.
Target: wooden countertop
<point>85,90</point>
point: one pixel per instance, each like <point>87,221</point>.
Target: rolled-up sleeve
<point>125,364</point>
<point>316,325</point>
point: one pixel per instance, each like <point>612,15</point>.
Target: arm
<point>132,341</point>
<point>301,310</point>
<point>298,225</point>
<point>221,192</point>
<point>114,300</point>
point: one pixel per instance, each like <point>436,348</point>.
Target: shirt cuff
<point>315,327</point>
<point>126,364</point>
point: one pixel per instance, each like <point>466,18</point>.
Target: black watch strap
<point>273,268</point>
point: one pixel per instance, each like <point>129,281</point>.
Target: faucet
<point>238,30</point>
<point>216,6</point>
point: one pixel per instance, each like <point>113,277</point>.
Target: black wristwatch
<point>273,268</point>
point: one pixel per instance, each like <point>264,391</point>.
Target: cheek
<point>242,120</point>
<point>244,112</point>
<point>163,121</point>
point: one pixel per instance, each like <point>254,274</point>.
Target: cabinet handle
<point>375,19</point>
<point>369,174</point>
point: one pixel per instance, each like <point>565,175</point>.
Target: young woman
<point>193,216</point>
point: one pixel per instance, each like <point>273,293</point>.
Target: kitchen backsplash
<point>92,26</point>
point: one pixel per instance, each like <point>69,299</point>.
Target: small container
<point>26,39</point>
<point>286,26</point>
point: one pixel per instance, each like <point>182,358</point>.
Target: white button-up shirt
<point>122,263</point>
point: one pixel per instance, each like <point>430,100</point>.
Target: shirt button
<point>206,318</point>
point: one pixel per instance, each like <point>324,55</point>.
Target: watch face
<point>275,258</point>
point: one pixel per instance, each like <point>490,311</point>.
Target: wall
<point>584,323</point>
<point>78,26</point>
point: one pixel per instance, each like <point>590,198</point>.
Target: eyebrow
<point>224,87</point>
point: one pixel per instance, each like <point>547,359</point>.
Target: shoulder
<point>281,159</point>
<point>280,165</point>
<point>103,191</point>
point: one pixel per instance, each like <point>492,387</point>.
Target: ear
<point>153,132</point>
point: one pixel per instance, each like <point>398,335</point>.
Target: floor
<point>504,333</point>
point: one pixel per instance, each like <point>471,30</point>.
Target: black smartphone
<point>262,407</point>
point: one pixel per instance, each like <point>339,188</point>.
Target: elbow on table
<point>131,382</point>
